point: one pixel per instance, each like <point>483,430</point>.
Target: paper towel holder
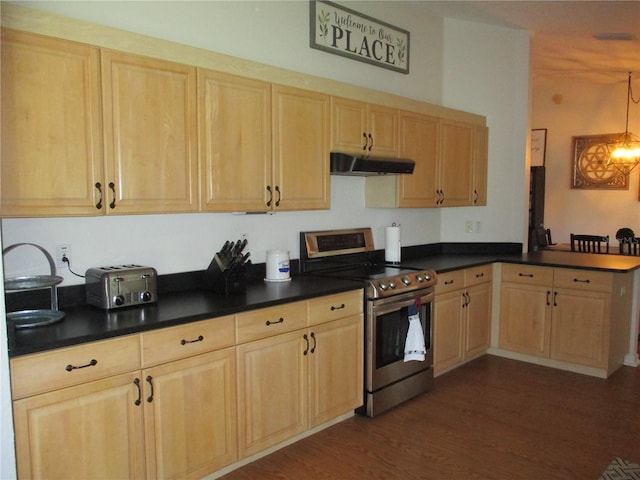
<point>393,246</point>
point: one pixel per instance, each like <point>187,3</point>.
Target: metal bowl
<point>34,318</point>
<point>31,282</point>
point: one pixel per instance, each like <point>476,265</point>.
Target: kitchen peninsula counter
<point>548,258</point>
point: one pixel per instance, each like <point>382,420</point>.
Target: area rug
<point>621,470</point>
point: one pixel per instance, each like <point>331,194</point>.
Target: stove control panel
<point>403,283</point>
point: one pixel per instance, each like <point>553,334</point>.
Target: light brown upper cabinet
<point>362,128</point>
<point>94,132</point>
<point>300,179</point>
<point>480,165</point>
<point>263,147</point>
<point>235,142</point>
<point>150,127</point>
<point>51,126</point>
<point>418,142</point>
<point>450,170</point>
<point>462,164</point>
<point>454,185</point>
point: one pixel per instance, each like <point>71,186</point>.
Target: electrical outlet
<point>468,226</point>
<point>62,251</point>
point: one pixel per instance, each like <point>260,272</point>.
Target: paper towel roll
<point>392,244</point>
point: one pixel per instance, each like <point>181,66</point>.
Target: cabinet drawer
<point>450,281</point>
<point>527,274</point>
<point>267,322</point>
<point>43,372</point>
<point>184,341</point>
<point>332,307</point>
<point>477,275</point>
<point>583,280</point>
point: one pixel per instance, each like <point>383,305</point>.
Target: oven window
<point>391,334</point>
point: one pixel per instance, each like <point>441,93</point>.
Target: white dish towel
<point>414,348</point>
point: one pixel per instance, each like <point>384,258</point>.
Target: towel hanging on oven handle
<point>414,347</point>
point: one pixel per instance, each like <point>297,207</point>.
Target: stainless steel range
<point>393,296</point>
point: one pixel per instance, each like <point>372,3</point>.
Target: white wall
<point>587,108</point>
<point>276,33</point>
<point>486,71</point>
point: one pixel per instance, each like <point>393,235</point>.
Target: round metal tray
<point>34,318</point>
<point>31,282</point>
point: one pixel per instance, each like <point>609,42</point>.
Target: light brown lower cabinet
<point>172,420</point>
<point>93,430</point>
<point>292,381</point>
<point>186,401</point>
<point>78,412</point>
<point>462,317</point>
<point>190,426</point>
<point>579,317</point>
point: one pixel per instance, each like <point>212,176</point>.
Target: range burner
<point>383,280</point>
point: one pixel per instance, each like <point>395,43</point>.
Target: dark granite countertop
<point>547,258</point>
<point>83,323</point>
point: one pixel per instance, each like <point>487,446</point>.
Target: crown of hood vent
<point>363,166</point>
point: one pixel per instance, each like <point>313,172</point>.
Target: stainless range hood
<point>363,166</point>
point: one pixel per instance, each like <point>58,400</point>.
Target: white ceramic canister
<point>278,269</point>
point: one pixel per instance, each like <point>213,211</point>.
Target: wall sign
<point>350,34</point>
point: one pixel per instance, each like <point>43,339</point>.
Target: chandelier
<point>624,151</point>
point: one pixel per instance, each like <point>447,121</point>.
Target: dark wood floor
<point>493,418</point>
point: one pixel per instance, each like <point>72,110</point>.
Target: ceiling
<point>562,34</point>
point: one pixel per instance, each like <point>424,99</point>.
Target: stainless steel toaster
<point>120,286</point>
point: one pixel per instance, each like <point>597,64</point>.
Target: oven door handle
<point>390,304</point>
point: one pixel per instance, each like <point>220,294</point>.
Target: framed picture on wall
<point>538,146</point>
<point>590,164</point>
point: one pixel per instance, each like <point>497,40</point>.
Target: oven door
<point>387,327</point>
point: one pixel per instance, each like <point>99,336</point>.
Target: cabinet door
<point>150,134</point>
<point>190,415</point>
<point>478,320</point>
<point>235,142</point>
<point>525,318</point>
<point>51,129</point>
<point>335,369</point>
<point>300,149</point>
<point>455,163</point>
<point>272,391</point>
<point>383,128</point>
<point>447,331</point>
<point>580,327</point>
<point>480,165</point>
<point>418,142</point>
<point>348,126</point>
<point>94,430</point>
